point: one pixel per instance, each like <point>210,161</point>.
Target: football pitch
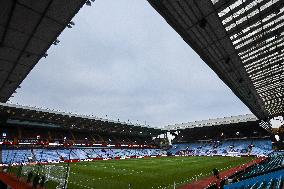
<point>146,173</point>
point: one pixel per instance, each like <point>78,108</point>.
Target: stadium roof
<point>27,30</point>
<point>241,40</point>
<point>214,122</point>
<point>41,117</point>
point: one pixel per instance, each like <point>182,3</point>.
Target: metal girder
<point>255,73</point>
<point>256,18</point>
<point>258,43</point>
<point>270,93</point>
<point>261,49</point>
<point>275,87</point>
<point>222,4</point>
<point>268,98</point>
<point>269,82</point>
<point>268,25</point>
<point>278,73</point>
<point>247,12</point>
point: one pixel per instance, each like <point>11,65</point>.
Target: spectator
<point>20,170</point>
<point>36,181</point>
<point>216,173</point>
<point>42,181</point>
<point>30,176</point>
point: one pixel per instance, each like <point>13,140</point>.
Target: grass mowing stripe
<point>146,173</point>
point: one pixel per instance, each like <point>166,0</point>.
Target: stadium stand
<point>272,163</point>
<point>231,136</point>
<point>26,125</point>
<point>55,155</point>
<point>267,174</point>
<point>244,126</point>
<point>32,136</point>
<point>237,147</point>
<point>270,180</point>
<point>227,36</point>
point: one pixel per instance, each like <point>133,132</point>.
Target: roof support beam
<point>274,74</point>
<point>256,18</point>
<point>8,23</point>
<point>236,17</point>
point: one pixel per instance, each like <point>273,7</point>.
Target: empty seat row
<point>272,180</point>
<point>270,164</point>
<point>50,155</point>
<point>258,147</point>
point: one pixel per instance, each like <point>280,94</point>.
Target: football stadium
<point>240,40</point>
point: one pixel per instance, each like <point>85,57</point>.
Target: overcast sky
<point>123,60</point>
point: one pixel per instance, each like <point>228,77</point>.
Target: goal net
<point>57,174</point>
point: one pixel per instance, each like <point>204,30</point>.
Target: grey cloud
<point>122,59</point>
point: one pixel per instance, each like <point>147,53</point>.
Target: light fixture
<point>88,3</point>
<point>56,42</point>
<point>45,55</point>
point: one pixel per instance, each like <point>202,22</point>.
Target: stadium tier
<point>267,174</point>
<point>273,162</point>
<point>273,180</point>
<point>25,125</point>
<point>237,147</point>
<point>244,126</point>
<point>17,156</point>
<point>240,40</point>
<point>48,141</point>
<point>232,136</point>
<point>30,134</point>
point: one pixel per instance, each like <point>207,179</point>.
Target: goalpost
<point>56,173</point>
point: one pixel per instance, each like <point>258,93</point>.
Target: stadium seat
<point>271,180</point>
<point>51,155</point>
<point>237,147</point>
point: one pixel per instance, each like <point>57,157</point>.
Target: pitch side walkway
<point>14,182</point>
<point>208,181</point>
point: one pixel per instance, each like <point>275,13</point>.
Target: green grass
<point>146,173</point>
<point>140,173</point>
